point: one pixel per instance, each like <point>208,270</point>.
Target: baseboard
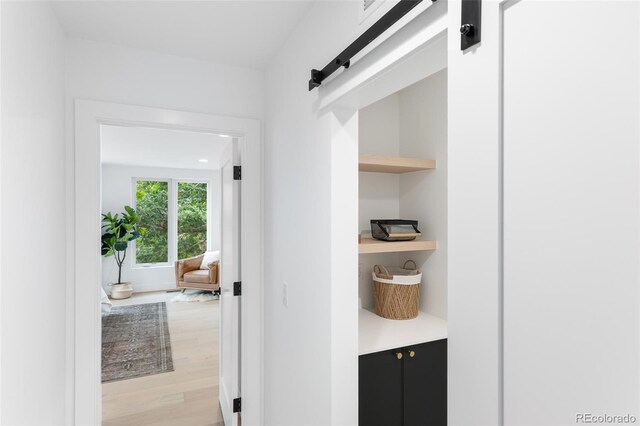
<point>147,287</point>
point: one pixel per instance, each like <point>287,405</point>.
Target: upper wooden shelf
<point>383,164</point>
<point>370,245</point>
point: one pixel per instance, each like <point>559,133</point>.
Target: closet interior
<point>403,175</point>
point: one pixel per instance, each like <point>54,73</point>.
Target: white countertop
<point>379,334</point>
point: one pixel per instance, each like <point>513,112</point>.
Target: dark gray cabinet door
<point>380,389</point>
<point>425,384</point>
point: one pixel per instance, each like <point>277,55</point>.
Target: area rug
<point>135,342</point>
<point>195,296</point>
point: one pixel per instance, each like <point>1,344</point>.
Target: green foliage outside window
<point>192,219</point>
<point>152,205</point>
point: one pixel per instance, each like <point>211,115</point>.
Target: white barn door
<point>544,192</point>
<point>229,303</point>
<point>571,163</point>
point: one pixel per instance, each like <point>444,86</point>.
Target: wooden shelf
<point>370,245</point>
<point>379,334</point>
<point>383,164</point>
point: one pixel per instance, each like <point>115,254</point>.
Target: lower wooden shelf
<point>378,334</point>
<point>370,245</point>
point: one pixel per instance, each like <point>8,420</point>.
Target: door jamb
<point>84,301</point>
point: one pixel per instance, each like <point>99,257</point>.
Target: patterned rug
<point>135,342</point>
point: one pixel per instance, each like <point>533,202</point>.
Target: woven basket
<point>397,291</point>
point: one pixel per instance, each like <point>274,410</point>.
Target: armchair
<point>189,274</point>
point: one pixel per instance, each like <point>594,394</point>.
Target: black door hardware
<point>470,24</point>
<point>374,31</point>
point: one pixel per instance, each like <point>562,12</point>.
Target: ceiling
<point>149,147</point>
<point>241,32</point>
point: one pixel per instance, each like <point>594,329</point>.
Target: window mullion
<point>173,221</point>
<point>134,204</point>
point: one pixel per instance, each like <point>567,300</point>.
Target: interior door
<point>544,210</point>
<point>571,163</point>
<point>229,303</point>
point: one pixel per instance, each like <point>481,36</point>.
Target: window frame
<point>172,218</point>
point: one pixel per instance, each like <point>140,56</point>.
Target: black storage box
<point>394,229</point>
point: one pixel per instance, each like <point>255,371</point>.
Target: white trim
<point>168,264</point>
<point>474,266</point>
<point>172,212</point>
<point>85,350</point>
<point>504,5</point>
<point>404,59</point>
<point>1,323</point>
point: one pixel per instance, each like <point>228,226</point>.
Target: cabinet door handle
<point>412,354</point>
<point>399,355</point>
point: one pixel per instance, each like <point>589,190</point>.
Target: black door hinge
<point>237,172</point>
<point>237,288</point>
<point>237,405</point>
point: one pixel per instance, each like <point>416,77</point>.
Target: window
<point>192,219</point>
<point>173,220</point>
<point>152,204</point>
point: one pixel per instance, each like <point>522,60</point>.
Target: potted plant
<point>117,231</point>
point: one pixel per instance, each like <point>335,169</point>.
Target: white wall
<point>378,193</point>
<point>106,72</point>
<point>298,346</point>
<point>310,240</point>
<point>110,73</point>
<point>379,134</point>
<point>423,196</point>
<point>117,191</point>
<point>33,218</point>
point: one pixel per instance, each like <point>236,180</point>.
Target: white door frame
<point>85,332</point>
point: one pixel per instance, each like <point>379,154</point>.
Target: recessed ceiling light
<point>225,136</point>
<point>203,160</point>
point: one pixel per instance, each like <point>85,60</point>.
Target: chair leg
<point>183,290</point>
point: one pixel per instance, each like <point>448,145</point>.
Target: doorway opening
<point>176,212</point>
<point>162,246</point>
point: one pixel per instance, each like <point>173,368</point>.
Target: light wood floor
<point>187,396</point>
